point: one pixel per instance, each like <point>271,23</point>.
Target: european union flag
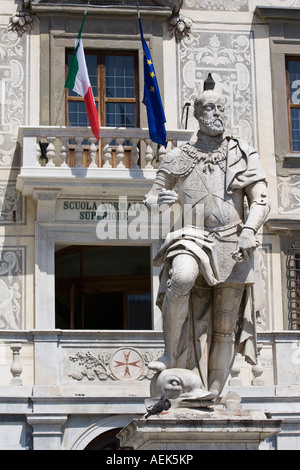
<point>152,99</point>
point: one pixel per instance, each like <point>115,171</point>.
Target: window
<point>293,278</point>
<point>99,287</point>
<point>114,80</point>
<point>293,84</point>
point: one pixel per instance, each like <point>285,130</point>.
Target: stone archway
<point>102,433</point>
<point>105,441</point>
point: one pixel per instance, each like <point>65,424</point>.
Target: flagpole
<point>152,98</point>
<point>139,20</point>
<point>83,20</point>
<point>79,35</point>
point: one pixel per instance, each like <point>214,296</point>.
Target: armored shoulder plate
<point>180,161</point>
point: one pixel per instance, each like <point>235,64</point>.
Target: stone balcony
<point>69,159</point>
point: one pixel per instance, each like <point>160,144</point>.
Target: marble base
<point>185,429</point>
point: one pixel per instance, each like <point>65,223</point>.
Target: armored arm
<point>259,204</point>
<point>161,195</point>
<point>259,209</point>
<point>161,192</point>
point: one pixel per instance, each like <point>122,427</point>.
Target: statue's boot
<point>174,313</point>
<point>222,354</point>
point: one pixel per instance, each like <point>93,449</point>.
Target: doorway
<point>99,287</point>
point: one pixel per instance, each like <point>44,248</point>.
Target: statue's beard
<point>212,127</point>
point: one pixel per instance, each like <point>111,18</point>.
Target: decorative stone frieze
<point>123,364</point>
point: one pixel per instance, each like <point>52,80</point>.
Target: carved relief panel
<point>12,261</point>
<point>13,114</point>
<point>229,57</point>
<point>289,195</point>
<point>12,83</point>
<point>96,366</point>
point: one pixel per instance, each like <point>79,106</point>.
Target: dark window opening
<point>293,97</point>
<point>103,288</point>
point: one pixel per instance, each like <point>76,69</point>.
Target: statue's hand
<point>166,196</point>
<point>245,245</point>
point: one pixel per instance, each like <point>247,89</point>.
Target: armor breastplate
<point>203,193</point>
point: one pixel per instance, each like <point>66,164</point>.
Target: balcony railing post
<point>257,370</point>
<point>64,152</point>
<point>135,153</point>
<point>78,152</point>
<point>120,152</point>
<point>50,152</point>
<point>149,154</point>
<point>93,152</point>
<point>107,153</point>
<point>161,153</point>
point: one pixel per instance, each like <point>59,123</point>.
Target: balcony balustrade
<point>87,357</point>
<point>51,155</point>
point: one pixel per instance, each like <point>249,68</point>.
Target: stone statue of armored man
<point>209,292</point>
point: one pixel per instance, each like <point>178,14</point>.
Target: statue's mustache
<point>213,121</point>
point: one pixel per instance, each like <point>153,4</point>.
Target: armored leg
<point>227,300</point>
<point>175,308</point>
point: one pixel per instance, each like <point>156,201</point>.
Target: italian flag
<point>78,81</point>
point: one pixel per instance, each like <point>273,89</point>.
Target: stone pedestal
<point>190,430</point>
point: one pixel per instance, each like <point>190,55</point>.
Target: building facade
<point>78,319</point>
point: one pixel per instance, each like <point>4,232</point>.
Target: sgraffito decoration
<point>11,288</point>
<point>229,57</point>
